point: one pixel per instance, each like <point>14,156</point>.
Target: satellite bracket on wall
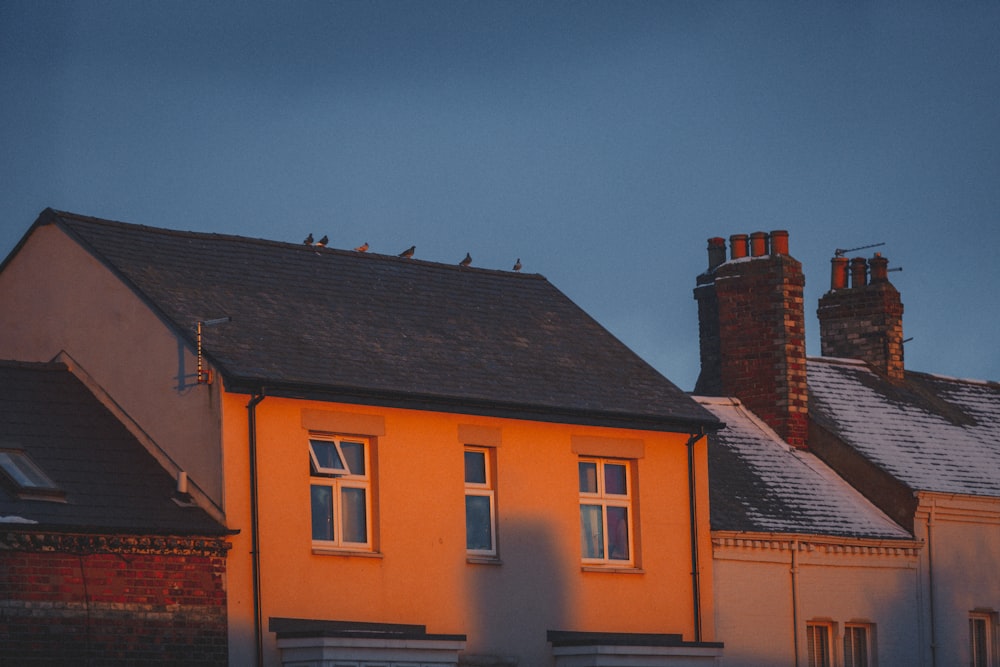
<point>205,374</point>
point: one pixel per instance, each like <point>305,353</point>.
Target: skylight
<point>25,476</point>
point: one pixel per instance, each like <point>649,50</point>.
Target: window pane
<point>615,479</point>
<point>618,533</point>
<point>326,455</point>
<point>354,453</point>
<point>588,477</point>
<point>591,529</point>
<point>353,512</point>
<point>478,532</point>
<point>475,468</point>
<point>978,634</point>
<point>322,513</point>
<point>855,646</point>
<point>818,645</point>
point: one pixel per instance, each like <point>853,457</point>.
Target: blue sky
<point>601,142</point>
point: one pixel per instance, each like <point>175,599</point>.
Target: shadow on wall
<point>515,603</point>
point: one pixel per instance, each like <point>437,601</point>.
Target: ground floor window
<point>982,639</point>
<point>818,644</point>
<point>859,645</point>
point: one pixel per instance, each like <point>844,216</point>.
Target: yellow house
<point>426,464</point>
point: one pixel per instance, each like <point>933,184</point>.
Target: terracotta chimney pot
<point>859,272</point>
<point>758,244</point>
<point>716,251</point>
<point>779,242</point>
<point>879,268</point>
<point>738,246</point>
<point>838,273</point>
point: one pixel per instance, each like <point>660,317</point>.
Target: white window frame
<point>485,489</point>
<point>866,631</point>
<point>605,500</point>
<point>983,623</point>
<point>816,656</point>
<point>338,480</point>
<point>26,478</point>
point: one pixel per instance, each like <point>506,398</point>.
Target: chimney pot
<point>859,272</point>
<point>838,273</point>
<point>758,244</point>
<point>738,246</point>
<point>879,268</point>
<point>716,251</point>
<point>779,242</point>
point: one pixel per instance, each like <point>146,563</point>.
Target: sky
<point>602,143</point>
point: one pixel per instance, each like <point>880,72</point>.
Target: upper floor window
<point>819,645</point>
<point>480,502</point>
<point>859,645</point>
<point>340,488</point>
<point>606,524</point>
<point>982,639</point>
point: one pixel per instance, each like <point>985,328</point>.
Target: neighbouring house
<point>426,464</point>
<point>103,561</point>
<point>920,590</point>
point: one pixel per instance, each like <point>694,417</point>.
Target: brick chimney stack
<point>863,321</point>
<point>752,330</point>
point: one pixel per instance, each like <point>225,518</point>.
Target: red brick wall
<point>84,600</point>
<point>864,323</point>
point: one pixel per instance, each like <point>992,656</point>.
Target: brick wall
<point>112,600</point>
<point>864,322</point>
<point>752,331</point>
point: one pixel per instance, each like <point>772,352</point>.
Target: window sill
<point>612,569</point>
<point>333,551</point>
<point>483,560</point>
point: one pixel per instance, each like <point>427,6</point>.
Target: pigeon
<point>323,241</point>
<point>517,264</point>
<point>362,248</point>
<point>408,252</point>
<point>309,240</point>
<point>466,261</point>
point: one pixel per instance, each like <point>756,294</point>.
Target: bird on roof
<point>408,253</point>
<point>309,240</point>
<point>362,248</point>
<point>466,261</point>
<point>517,264</point>
<point>323,241</point>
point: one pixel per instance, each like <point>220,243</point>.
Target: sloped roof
<point>932,433</point>
<point>364,327</point>
<point>758,483</point>
<point>111,483</point>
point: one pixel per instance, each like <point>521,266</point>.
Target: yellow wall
<point>420,574</point>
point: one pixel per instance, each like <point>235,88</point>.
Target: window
<point>605,511</point>
<point>26,478</point>
<point>818,644</point>
<point>981,639</point>
<point>480,503</point>
<point>859,645</point>
<point>340,487</point>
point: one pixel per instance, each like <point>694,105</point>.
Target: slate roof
<point>364,327</point>
<point>758,483</point>
<point>111,483</point>
<point>931,433</point>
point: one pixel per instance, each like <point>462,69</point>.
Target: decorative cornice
<point>34,541</point>
<point>822,545</point>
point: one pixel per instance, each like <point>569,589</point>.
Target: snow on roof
<point>930,432</point>
<point>759,483</point>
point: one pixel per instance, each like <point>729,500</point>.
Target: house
<point>420,463</point>
<point>102,559</point>
<point>922,450</point>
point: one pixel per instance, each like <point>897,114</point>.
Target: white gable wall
<point>56,297</point>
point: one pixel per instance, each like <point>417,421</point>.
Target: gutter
<point>693,509</point>
<point>255,399</point>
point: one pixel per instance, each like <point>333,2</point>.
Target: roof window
<point>26,478</point>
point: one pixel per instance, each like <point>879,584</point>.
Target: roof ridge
<point>70,217</point>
